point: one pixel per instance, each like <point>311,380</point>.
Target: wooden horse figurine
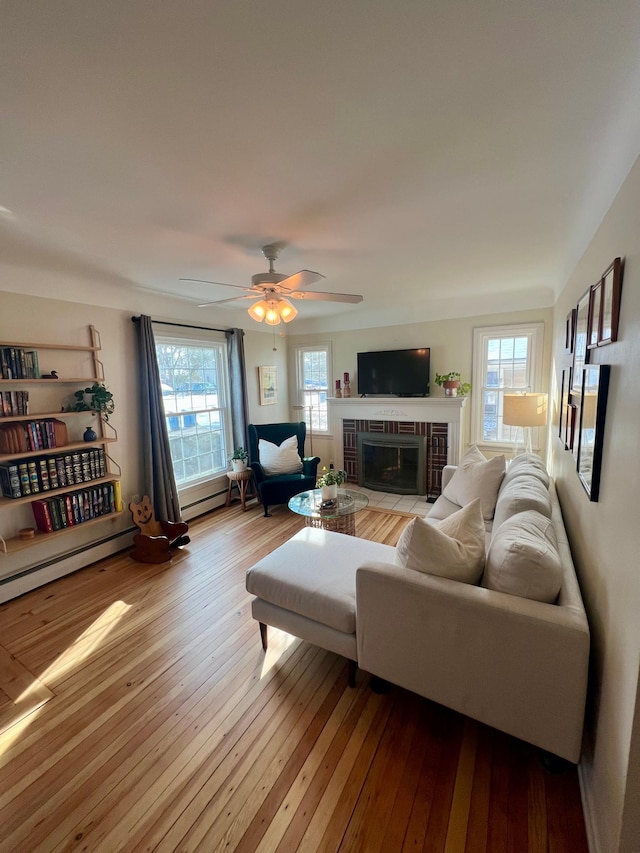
<point>156,538</point>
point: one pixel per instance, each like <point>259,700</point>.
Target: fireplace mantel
<point>420,409</point>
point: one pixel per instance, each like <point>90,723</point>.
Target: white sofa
<point>516,664</point>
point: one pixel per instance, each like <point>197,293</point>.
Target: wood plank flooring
<point>140,713</point>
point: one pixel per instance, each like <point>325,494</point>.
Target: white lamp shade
<point>525,410</point>
<point>287,311</point>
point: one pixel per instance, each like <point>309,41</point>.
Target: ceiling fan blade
<point>302,278</point>
<point>217,283</point>
<point>230,299</point>
<point>327,297</point>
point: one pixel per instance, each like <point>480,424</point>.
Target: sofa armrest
<point>515,664</point>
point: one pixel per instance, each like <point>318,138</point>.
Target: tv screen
<point>401,372</point>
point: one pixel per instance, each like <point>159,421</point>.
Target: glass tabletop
<point>310,504</point>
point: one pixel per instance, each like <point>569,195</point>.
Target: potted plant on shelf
<point>453,386</point>
<point>96,398</point>
<point>238,459</point>
<point>329,481</point>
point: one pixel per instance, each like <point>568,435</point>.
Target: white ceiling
<point>438,157</point>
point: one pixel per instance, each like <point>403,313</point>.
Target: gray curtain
<point>238,386</point>
<point>160,483</point>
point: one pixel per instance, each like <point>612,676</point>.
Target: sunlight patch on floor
<point>29,702</point>
<point>89,640</point>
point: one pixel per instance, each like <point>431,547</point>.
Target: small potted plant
<point>329,481</point>
<point>238,459</point>
<point>453,387</point>
<point>96,398</point>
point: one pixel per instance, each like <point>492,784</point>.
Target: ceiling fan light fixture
<point>258,310</point>
<point>287,311</point>
<point>272,317</point>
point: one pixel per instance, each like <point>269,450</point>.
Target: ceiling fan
<point>272,290</point>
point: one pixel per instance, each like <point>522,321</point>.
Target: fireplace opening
<point>392,463</point>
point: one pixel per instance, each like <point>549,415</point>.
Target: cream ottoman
<point>307,587</point>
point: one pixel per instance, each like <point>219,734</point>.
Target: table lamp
<point>525,410</point>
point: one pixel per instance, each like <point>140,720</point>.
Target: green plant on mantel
<point>452,380</point>
<point>96,398</point>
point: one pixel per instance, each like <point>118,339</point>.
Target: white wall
<point>604,541</point>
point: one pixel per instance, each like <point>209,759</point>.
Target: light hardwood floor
<point>139,712</point>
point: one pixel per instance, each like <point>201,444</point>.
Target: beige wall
<point>30,315</point>
<point>450,341</point>
<point>603,540</point>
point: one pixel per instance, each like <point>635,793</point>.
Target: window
<point>312,376</point>
<point>505,360</point>
<point>193,376</point>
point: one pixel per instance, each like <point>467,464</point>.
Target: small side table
<point>242,481</point>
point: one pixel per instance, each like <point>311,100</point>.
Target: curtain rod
<point>183,325</point>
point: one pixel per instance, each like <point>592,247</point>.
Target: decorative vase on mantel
<point>451,387</point>
<point>329,493</point>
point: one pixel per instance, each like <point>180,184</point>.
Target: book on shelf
<point>25,481</point>
<point>42,515</point>
<point>34,482</point>
<point>10,480</point>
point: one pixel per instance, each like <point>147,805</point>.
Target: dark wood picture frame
<point>570,331</point>
<point>580,351</point>
<point>610,313</point>
<point>595,316</point>
<point>595,387</point>
<point>566,410</point>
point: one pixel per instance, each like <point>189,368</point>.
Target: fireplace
<point>439,419</point>
<point>392,463</point>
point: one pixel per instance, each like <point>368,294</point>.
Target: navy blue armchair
<point>279,488</point>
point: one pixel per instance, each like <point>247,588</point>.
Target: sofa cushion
<point>476,477</point>
<point>523,558</point>
<point>452,548</point>
<point>280,459</point>
<point>520,494</point>
<point>314,574</point>
<point>527,464</point>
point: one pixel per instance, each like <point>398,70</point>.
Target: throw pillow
<point>527,464</point>
<point>523,558</point>
<point>476,477</point>
<point>280,459</point>
<point>452,548</point>
<point>519,494</point>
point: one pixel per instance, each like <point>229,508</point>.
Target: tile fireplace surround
<point>407,415</point>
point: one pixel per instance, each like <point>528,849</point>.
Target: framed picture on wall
<point>595,386</point>
<point>611,288</point>
<point>570,331</point>
<point>268,384</point>
<point>565,427</point>
<point>595,316</point>
<point>580,351</point>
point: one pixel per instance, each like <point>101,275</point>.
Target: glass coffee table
<point>339,517</point>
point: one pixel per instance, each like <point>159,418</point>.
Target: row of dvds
<point>26,477</point>
<point>14,403</point>
<point>18,363</point>
<point>68,510</point>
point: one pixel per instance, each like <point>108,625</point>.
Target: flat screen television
<point>401,372</point>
